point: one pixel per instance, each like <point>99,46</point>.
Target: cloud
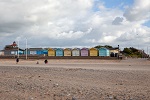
<point>139,11</point>
<point>72,23</point>
<point>134,37</point>
<point>72,35</point>
<point>117,21</point>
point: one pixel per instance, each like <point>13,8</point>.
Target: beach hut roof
<point>76,49</point>
<point>68,49</point>
<point>52,48</point>
<point>45,48</point>
<point>84,49</point>
<point>59,49</point>
<point>35,48</point>
<point>93,48</point>
<point>103,48</point>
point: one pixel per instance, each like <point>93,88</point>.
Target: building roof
<point>113,48</point>
<point>13,49</point>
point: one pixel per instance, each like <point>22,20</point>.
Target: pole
<point>26,49</point>
<point>118,51</point>
<point>138,42</point>
<point>147,52</point>
<point>18,48</point>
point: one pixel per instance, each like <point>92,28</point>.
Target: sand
<point>75,79</point>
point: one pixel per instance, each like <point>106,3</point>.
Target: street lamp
<point>18,48</point>
<point>148,52</point>
<point>118,51</point>
<point>138,41</point>
<point>26,49</point>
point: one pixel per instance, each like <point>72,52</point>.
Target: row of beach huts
<point>63,52</point>
<point>12,50</point>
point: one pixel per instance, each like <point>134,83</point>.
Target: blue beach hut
<point>39,52</point>
<point>104,52</point>
<point>45,51</point>
<point>34,51</point>
<point>59,52</point>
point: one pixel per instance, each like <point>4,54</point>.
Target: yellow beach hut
<point>67,52</point>
<point>51,52</point>
<point>93,52</point>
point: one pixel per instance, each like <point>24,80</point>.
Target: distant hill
<point>133,52</point>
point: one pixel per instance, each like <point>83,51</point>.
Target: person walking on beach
<point>37,61</point>
<point>45,61</point>
<point>17,60</point>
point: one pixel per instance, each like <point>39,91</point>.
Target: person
<point>45,61</point>
<point>17,60</point>
<point>37,62</point>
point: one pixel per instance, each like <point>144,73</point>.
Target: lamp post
<point>138,41</point>
<point>118,51</point>
<point>148,52</point>
<point>26,50</point>
<point>18,48</point>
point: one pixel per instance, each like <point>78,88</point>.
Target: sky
<point>75,23</point>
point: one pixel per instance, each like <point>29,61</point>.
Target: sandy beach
<point>74,79</point>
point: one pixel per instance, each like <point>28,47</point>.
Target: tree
<point>99,46</point>
<point>106,46</point>
<point>127,51</point>
<point>132,52</point>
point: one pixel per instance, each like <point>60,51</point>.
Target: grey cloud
<point>132,15</point>
<point>117,21</point>
<point>12,27</point>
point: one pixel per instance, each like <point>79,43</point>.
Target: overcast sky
<point>75,23</point>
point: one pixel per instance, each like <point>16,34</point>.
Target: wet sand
<point>75,80</point>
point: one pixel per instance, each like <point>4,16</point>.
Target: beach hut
<point>93,52</point>
<point>104,52</point>
<point>67,52</point>
<point>39,52</point>
<point>113,52</point>
<point>34,51</point>
<point>59,52</point>
<point>84,52</point>
<point>45,51</point>
<point>76,52</point>
<point>51,52</point>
